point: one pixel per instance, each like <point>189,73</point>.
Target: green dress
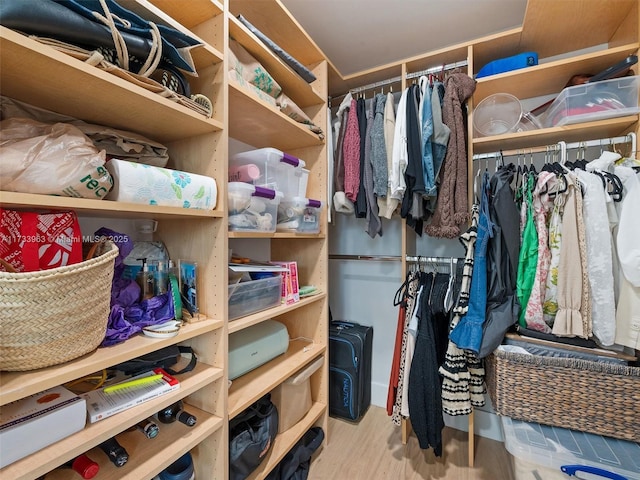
<point>528,259</point>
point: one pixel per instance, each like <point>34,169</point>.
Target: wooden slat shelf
<point>39,75</point>
<point>102,208</point>
<point>49,457</point>
<point>285,440</point>
<point>294,86</point>
<point>259,124</point>
<point>274,235</point>
<point>252,385</point>
<point>244,322</point>
<point>547,136</point>
<point>549,78</point>
<point>16,385</point>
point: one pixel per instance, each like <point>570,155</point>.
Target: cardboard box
<point>292,398</point>
<point>35,422</point>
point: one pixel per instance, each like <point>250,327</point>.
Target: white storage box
<point>271,168</point>
<point>34,422</point>
<point>250,297</point>
<point>590,102</point>
<point>252,208</point>
<point>292,398</point>
<point>543,452</point>
<point>299,214</point>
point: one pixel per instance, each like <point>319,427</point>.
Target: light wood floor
<point>373,450</point>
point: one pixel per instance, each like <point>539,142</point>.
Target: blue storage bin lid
<point>521,60</point>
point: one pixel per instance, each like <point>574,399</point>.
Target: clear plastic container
<point>299,214</point>
<point>541,451</point>
<point>252,208</point>
<point>253,296</point>
<point>497,114</point>
<point>271,168</point>
<point>590,102</point>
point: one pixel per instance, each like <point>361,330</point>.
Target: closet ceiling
<point>358,35</point>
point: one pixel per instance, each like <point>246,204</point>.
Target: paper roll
<point>149,185</point>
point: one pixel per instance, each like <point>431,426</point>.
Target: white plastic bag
<point>52,159</point>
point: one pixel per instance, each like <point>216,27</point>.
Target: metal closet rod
<point>628,138</point>
<point>389,81</point>
<point>421,259</point>
<point>376,258</point>
<point>394,258</point>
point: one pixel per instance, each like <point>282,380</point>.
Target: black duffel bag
<point>251,435</point>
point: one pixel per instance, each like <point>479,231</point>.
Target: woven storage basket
<point>583,395</point>
<point>53,316</point>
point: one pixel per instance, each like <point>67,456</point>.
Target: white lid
<point>268,154</point>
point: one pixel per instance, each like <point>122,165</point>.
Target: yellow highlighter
<point>133,383</point>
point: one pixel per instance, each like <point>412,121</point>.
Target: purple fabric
<point>128,316</point>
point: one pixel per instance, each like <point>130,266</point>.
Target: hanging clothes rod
<point>421,259</point>
<point>375,258</point>
<point>398,79</point>
<point>556,147</point>
<point>428,71</point>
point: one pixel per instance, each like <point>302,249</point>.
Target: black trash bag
<point>295,465</point>
<point>251,436</point>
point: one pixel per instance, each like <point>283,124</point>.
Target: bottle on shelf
<point>148,427</point>
<point>84,466</point>
<point>116,452</point>
<point>144,246</point>
<point>176,412</point>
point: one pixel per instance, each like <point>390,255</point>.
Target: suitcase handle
<point>344,324</point>
<point>572,469</point>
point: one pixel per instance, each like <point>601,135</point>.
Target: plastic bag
<point>52,159</point>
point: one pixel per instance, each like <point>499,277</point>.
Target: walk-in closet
<point>320,239</point>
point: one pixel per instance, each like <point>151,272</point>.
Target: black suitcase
<point>350,347</point>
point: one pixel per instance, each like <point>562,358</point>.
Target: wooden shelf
<point>102,208</point>
<point>16,385</point>
<point>293,85</point>
<point>549,78</point>
<point>244,322</point>
<point>251,386</point>
<point>199,11</point>
<point>285,440</point>
<point>546,136</point>
<point>40,75</point>
<point>274,235</point>
<point>259,124</point>
<point>49,457</point>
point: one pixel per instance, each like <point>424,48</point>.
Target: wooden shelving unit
<point>39,75</point>
<point>259,125</point>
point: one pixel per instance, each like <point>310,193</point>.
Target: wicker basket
<point>53,316</point>
<point>593,397</point>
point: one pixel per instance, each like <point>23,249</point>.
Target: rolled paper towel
<point>149,185</point>
<point>244,173</point>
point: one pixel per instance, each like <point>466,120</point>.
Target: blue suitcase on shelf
<point>350,347</point>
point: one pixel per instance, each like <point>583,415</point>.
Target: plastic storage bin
<point>594,101</point>
<point>271,168</point>
<point>299,214</point>
<point>249,297</point>
<point>540,451</point>
<point>252,208</point>
<point>292,398</point>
